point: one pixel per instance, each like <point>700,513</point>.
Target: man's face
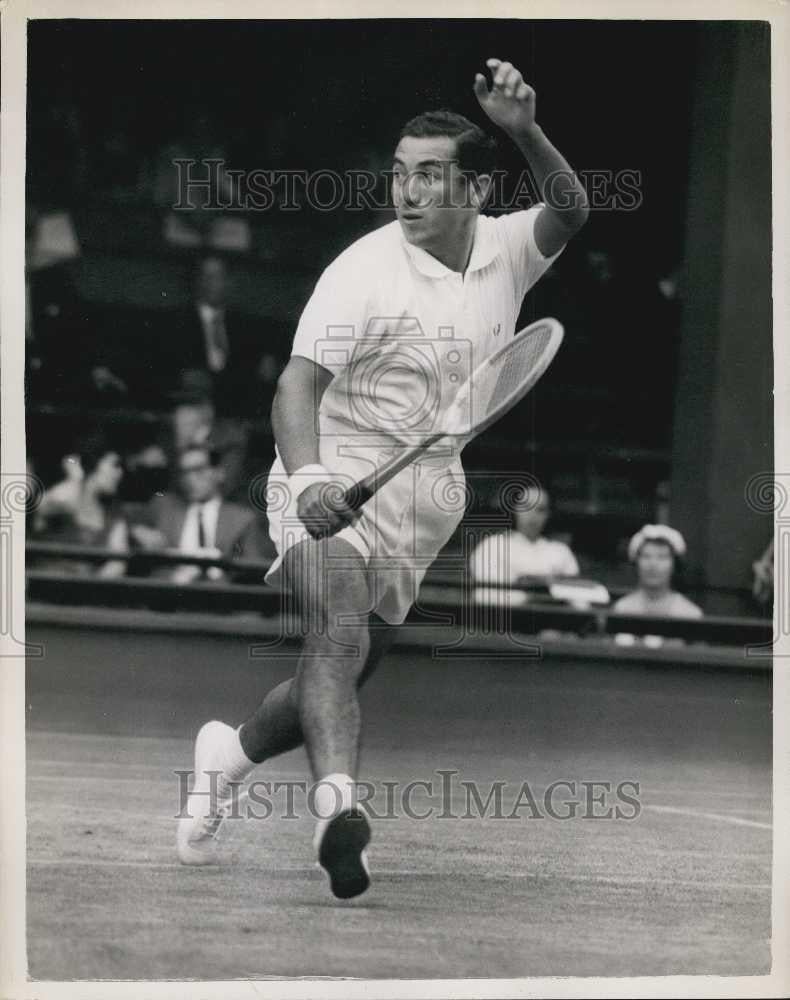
<point>431,196</point>
<point>212,282</point>
<point>533,513</point>
<point>199,479</point>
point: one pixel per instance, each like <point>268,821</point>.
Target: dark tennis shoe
<point>341,843</point>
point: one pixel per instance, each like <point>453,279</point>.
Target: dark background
<point>103,96</point>
<point>628,426</point>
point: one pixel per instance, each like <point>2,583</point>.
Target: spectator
<point>197,520</point>
<point>515,557</point>
<point>655,550</point>
<point>194,421</point>
<point>189,180</point>
<point>220,341</point>
<point>147,473</point>
<point>81,509</point>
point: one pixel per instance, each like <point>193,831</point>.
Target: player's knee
<point>336,612</point>
<point>341,607</point>
<point>341,640</point>
<point>330,583</point>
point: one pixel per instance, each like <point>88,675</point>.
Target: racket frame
<point>361,492</point>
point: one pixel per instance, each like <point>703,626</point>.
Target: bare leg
<point>274,727</point>
<point>319,705</point>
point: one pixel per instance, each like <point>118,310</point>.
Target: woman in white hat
<point>655,549</point>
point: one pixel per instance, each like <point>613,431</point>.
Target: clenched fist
<point>322,509</point>
<point>510,103</point>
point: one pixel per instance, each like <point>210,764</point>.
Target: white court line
<point>719,793</point>
<point>416,873</point>
<point>719,817</point>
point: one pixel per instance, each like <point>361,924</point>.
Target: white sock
<point>234,763</point>
<point>334,794</point>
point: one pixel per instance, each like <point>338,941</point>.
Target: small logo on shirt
<point>496,329</point>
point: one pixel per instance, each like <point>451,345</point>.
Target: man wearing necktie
<point>197,520</point>
<point>197,537</point>
<point>200,508</point>
<point>231,348</point>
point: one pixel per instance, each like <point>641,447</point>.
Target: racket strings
<point>513,369</point>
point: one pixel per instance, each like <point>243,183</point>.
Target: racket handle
<point>359,494</point>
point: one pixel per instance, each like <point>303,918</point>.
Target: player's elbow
<point>577,215</point>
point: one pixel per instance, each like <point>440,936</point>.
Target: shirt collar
<point>484,250</point>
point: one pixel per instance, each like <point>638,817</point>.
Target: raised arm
<point>510,104</point>
<point>300,390</point>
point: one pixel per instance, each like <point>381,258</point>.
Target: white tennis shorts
<point>399,533</point>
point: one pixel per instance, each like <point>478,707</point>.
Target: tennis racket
<point>494,387</point>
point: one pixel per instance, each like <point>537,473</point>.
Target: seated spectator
<point>194,421</point>
<point>656,549</point>
<point>223,343</point>
<point>763,582</point>
<point>81,509</point>
<point>147,473</point>
<point>199,521</point>
<point>515,557</point>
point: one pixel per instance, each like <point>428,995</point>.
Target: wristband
<point>307,476</point>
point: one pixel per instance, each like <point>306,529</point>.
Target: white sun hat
<point>656,533</point>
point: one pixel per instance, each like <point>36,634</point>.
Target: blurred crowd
<point>180,483</point>
<point>522,563</point>
<point>190,515</point>
<point>196,384</point>
<point>154,421</point>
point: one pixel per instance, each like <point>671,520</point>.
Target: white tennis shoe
<point>204,813</point>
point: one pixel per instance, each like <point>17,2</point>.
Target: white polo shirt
<point>400,331</point>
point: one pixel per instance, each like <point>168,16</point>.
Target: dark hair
<point>517,503</point>
<point>678,562</point>
<point>91,449</point>
<point>476,150</point>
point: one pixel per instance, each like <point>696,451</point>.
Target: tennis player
<point>394,325</point>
